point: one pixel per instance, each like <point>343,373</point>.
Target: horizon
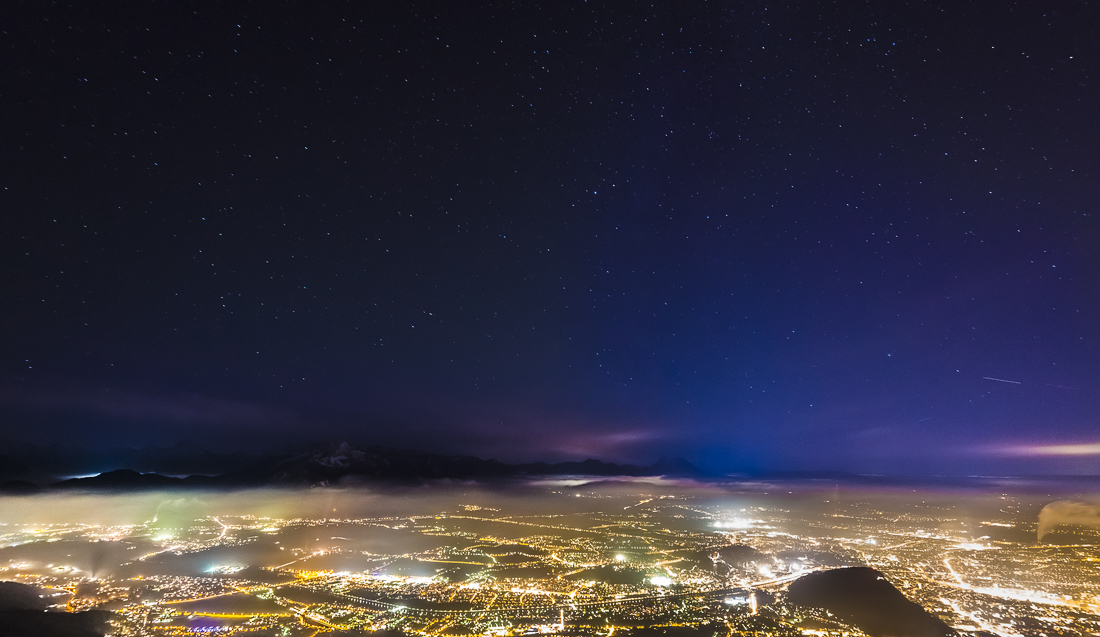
<point>58,465</point>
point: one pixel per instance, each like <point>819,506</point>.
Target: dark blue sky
<point>761,236</point>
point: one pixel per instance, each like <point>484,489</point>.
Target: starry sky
<point>808,235</point>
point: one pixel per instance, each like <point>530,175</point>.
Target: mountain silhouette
<point>337,462</point>
<point>864,598</point>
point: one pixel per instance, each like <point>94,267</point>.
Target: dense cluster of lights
<point>623,568</point>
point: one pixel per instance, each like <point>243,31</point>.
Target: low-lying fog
<point>533,498</point>
<point>25,521</point>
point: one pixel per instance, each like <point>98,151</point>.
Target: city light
<point>641,562</point>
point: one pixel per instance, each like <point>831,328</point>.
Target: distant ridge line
<point>331,464</point>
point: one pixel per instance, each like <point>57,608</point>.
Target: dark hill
<point>610,575</point>
<point>19,487</point>
<point>92,623</point>
<point>337,463</point>
<point>21,613</point>
<point>16,596</point>
<point>119,479</point>
<point>721,559</point>
<point>740,555</point>
<point>185,458</point>
<point>865,598</point>
<point>675,467</point>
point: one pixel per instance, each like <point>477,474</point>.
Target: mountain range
<point>189,465</point>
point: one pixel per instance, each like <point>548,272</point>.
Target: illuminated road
<point>545,608</point>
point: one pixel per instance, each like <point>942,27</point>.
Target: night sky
<point>758,235</point>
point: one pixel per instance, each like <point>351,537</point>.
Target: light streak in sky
<point>1068,450</point>
<point>1077,449</point>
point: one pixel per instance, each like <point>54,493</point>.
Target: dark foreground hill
<point>864,598</point>
<point>21,613</point>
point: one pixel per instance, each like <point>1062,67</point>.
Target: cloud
<point>1067,512</point>
<point>542,437</point>
<point>1067,450</point>
<point>1079,449</point>
<point>520,432</point>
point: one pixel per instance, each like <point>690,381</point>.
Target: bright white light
<point>733,524</point>
<point>620,558</point>
<point>387,578</point>
<point>660,580</point>
<point>1085,449</point>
